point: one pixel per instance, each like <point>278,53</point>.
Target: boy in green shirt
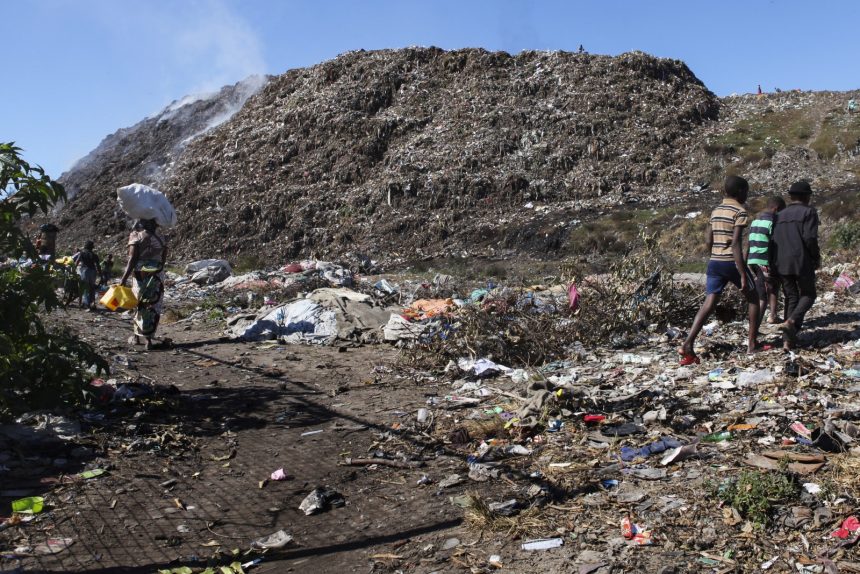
<point>758,259</point>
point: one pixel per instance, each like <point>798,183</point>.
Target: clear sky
<point>77,70</point>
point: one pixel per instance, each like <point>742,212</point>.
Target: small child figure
<point>107,270</point>
<point>724,238</point>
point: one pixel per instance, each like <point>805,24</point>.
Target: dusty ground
<point>236,397</point>
<point>184,470</point>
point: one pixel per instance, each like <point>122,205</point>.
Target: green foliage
<point>754,494</point>
<point>38,369</point>
<point>215,310</point>
<point>846,235</point>
<point>26,190</point>
<point>756,138</point>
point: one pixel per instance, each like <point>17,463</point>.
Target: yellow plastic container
<point>119,297</point>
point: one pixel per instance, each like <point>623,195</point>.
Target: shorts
<point>721,273</point>
<point>766,281</point>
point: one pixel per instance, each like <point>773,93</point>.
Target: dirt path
<point>191,481</point>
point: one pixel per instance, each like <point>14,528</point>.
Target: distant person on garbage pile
<point>796,256</point>
<point>46,242</point>
<point>759,260</point>
<point>147,253</point>
<point>724,239</point>
<point>107,270</point>
<point>89,269</point>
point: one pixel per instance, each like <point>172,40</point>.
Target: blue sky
<point>77,70</point>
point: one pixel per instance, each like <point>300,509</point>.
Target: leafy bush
<point>38,368</point>
<point>754,494</point>
<point>846,235</point>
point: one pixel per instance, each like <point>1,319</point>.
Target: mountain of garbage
<point>415,153</point>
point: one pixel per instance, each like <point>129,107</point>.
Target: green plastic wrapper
<point>29,505</point>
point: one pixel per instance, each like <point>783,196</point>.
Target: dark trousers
<point>799,295</point>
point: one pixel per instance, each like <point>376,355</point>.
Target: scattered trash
<point>542,544</point>
<point>849,527</point>
<point>451,480</point>
<point>812,488</point>
<point>88,474</point>
<point>279,475</point>
<point>481,367</point>
<point>760,377</point>
<point>717,437</point>
<point>320,500</point>
<point>278,539</point>
<point>630,453</point>
<point>679,454</point>
<point>50,546</point>
<point>635,533</point>
<point>28,505</point>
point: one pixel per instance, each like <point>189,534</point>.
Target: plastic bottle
<point>717,436</point>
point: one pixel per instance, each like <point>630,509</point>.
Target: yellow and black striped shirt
<point>728,215</point>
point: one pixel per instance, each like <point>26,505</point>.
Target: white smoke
<point>221,41</point>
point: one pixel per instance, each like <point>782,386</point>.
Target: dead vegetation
<point>521,327</point>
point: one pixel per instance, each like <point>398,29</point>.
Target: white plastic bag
<point>143,202</point>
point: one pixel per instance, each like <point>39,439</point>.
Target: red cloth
<point>573,296</point>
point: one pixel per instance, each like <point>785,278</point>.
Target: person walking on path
<point>796,256</point>
<point>89,269</point>
<point>147,252</point>
<point>759,260</point>
<point>724,239</point>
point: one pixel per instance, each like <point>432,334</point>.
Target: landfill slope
<point>142,153</point>
<point>422,151</point>
<point>412,151</point>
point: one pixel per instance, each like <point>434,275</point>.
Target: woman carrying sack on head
<point>147,252</point>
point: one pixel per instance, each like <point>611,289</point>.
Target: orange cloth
<point>427,308</point>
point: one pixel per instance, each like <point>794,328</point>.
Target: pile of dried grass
<point>845,474</point>
<point>528,523</point>
<point>515,329</point>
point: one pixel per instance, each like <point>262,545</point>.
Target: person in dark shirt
<point>796,256</point>
<point>88,270</point>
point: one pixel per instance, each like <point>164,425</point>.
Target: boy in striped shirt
<point>758,259</point>
<point>724,238</point>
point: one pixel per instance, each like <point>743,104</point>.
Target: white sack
<point>192,268</point>
<point>143,202</point>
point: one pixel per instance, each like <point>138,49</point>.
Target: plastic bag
<point>142,202</point>
<point>28,505</point>
<point>119,297</point>
<point>573,296</point>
